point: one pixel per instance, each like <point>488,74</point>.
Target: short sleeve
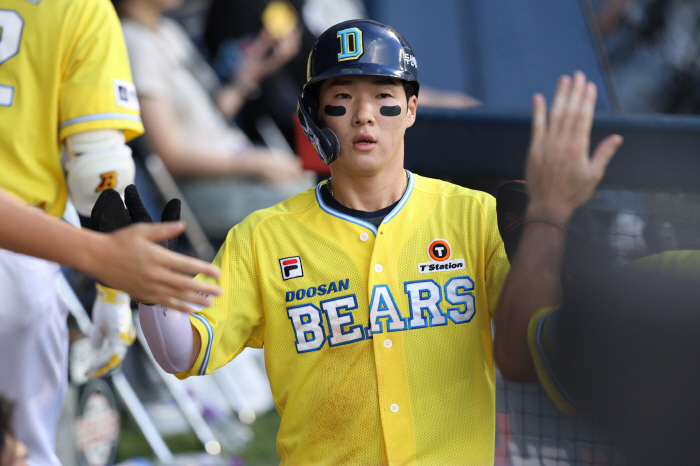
<point>235,319</point>
<point>96,90</point>
<point>539,331</point>
<point>497,265</point>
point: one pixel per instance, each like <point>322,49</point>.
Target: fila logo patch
<point>291,267</point>
<point>440,252</point>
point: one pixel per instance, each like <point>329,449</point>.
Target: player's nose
<point>364,113</point>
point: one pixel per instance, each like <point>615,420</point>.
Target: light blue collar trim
<point>335,213</point>
<point>404,198</point>
<point>360,222</point>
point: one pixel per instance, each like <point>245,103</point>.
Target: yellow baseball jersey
<point>63,70</point>
<point>377,340</point>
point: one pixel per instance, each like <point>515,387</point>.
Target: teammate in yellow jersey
<point>64,83</point>
<point>372,294</point>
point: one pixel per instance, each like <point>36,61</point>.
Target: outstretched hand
<point>130,259</point>
<point>560,172</point>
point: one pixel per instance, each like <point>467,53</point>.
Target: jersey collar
<point>358,221</point>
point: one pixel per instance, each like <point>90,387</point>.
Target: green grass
<point>260,452</point>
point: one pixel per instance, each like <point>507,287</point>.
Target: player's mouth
<point>364,142</point>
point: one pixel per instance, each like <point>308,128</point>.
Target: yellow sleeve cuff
<point>541,355</point>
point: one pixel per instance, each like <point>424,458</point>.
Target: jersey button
<point>378,268</point>
<point>394,408</point>
<point>364,236</point>
<point>387,343</point>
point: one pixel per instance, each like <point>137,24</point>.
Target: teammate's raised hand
<point>148,272</point>
<point>560,172</point>
<point>133,262</point>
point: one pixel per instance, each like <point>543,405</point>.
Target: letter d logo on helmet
<point>350,44</point>
<point>356,47</point>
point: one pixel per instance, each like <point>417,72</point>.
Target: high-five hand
<point>560,172</point>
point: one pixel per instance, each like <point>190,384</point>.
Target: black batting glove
<point>511,203</point>
<point>110,213</point>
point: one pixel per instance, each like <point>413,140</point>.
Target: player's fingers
<point>571,112</point>
<point>585,122</point>
<point>539,120</point>
<point>187,265</point>
<point>178,288</point>
<point>161,231</point>
<point>182,306</point>
<point>604,152</point>
<point>561,97</point>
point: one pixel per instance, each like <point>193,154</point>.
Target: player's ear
<point>411,111</point>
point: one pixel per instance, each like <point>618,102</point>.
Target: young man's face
<point>369,114</point>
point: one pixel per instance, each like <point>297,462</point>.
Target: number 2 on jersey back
<point>11,25</point>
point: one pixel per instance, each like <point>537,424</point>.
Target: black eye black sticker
<point>334,110</point>
<point>394,110</point>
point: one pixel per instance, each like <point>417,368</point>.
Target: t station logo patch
<point>291,267</point>
<point>440,252</point>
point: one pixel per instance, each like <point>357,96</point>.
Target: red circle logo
<point>439,250</point>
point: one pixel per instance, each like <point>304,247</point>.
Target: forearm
<point>193,161</point>
<point>30,231</point>
<point>173,340</point>
<point>533,283</point>
<point>233,96</point>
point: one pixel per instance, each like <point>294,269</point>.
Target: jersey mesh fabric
<point>348,395</point>
<point>66,85</point>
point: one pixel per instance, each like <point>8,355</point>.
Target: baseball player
<point>64,83</point>
<point>372,294</point>
<point>561,177</point>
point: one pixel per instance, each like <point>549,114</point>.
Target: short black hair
<point>410,88</point>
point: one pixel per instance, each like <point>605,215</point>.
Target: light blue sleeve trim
<point>335,213</point>
<point>404,198</point>
<point>210,333</point>
<point>547,364</point>
<point>99,116</point>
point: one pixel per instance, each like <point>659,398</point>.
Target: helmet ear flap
<point>324,139</point>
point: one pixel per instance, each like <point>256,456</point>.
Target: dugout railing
<point>661,151</point>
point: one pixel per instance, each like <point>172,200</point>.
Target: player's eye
<point>385,96</point>
<point>342,95</point>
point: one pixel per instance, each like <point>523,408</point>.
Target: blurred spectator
<point>185,112</point>
<point>232,27</point>
<point>12,451</point>
<point>654,53</point>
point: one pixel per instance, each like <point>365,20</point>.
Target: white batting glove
<point>113,324</point>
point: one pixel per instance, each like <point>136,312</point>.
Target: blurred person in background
<point>620,346</point>
<point>654,53</point>
<point>232,26</point>
<point>186,114</point>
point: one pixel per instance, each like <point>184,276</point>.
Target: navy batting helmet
<point>356,47</point>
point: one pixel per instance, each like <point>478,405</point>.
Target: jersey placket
<point>389,357</point>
